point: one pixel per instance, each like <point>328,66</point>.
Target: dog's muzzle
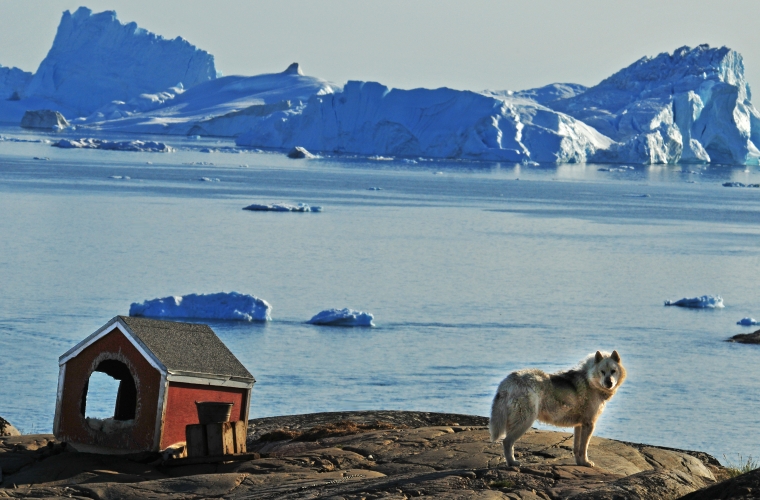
<point>609,383</point>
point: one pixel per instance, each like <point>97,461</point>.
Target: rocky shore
<point>370,455</point>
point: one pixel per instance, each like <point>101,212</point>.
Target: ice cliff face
<point>12,81</point>
<point>689,106</point>
<point>369,118</point>
<point>95,59</point>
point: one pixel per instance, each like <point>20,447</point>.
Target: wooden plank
<point>220,439</point>
<point>243,457</point>
<point>197,443</point>
<point>240,434</point>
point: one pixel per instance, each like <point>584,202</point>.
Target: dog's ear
<point>616,356</point>
<point>599,356</point>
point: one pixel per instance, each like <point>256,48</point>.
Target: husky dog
<point>572,398</point>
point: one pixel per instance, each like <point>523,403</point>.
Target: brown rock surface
<point>746,338</point>
<point>354,455</point>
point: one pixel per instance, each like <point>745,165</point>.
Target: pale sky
<point>468,44</point>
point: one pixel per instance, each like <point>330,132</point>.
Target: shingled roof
<point>186,347</point>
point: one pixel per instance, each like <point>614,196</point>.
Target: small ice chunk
<point>282,207</point>
<point>116,177</point>
<point>705,301</point>
<point>222,305</point>
<point>343,317</point>
<point>209,179</point>
<point>85,143</point>
<point>748,322</point>
<point>380,158</point>
<point>374,189</point>
<point>298,153</point>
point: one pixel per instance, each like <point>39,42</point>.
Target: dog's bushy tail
<point>498,422</point>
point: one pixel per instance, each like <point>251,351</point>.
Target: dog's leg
<point>577,441</point>
<point>581,458</point>
<point>520,420</point>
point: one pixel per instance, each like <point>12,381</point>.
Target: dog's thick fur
<point>572,398</point>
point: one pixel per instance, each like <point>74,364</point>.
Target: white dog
<point>572,398</point>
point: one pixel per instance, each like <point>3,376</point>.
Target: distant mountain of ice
<point>371,119</point>
<point>693,105</point>
<point>223,107</point>
<point>95,59</point>
<point>689,106</point>
<point>229,306</point>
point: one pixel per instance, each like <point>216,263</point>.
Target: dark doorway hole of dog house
<point>125,404</point>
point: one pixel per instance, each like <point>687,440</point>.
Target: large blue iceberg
<point>223,306</point>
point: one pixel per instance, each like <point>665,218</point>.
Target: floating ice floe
<point>740,185</point>
<point>282,207</point>
<point>146,146</point>
<point>374,189</point>
<point>343,317</point>
<point>748,322</point>
<point>222,305</point>
<point>209,179</point>
<point>705,301</point>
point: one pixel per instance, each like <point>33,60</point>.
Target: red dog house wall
<point>163,367</point>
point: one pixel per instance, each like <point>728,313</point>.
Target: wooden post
<point>197,445</point>
<point>240,432</point>
<point>220,439</point>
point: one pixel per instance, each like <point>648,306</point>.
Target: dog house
<point>162,368</point>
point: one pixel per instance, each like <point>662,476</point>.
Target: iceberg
<point>223,306</point>
<point>282,207</point>
<point>748,322</point>
<point>44,119</point>
<point>705,301</point>
<point>691,106</point>
<point>224,107</point>
<point>343,317</point>
<point>146,146</point>
<point>95,59</point>
<point>12,82</point>
<point>368,118</point>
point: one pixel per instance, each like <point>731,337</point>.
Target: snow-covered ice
<point>224,306</point>
<point>368,118</point>
<point>282,207</point>
<point>12,82</point>
<point>343,317</point>
<point>705,301</point>
<point>145,146</point>
<point>95,59</point>
<point>691,106</point>
<point>748,322</point>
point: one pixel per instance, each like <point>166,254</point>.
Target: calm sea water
<point>470,273</point>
